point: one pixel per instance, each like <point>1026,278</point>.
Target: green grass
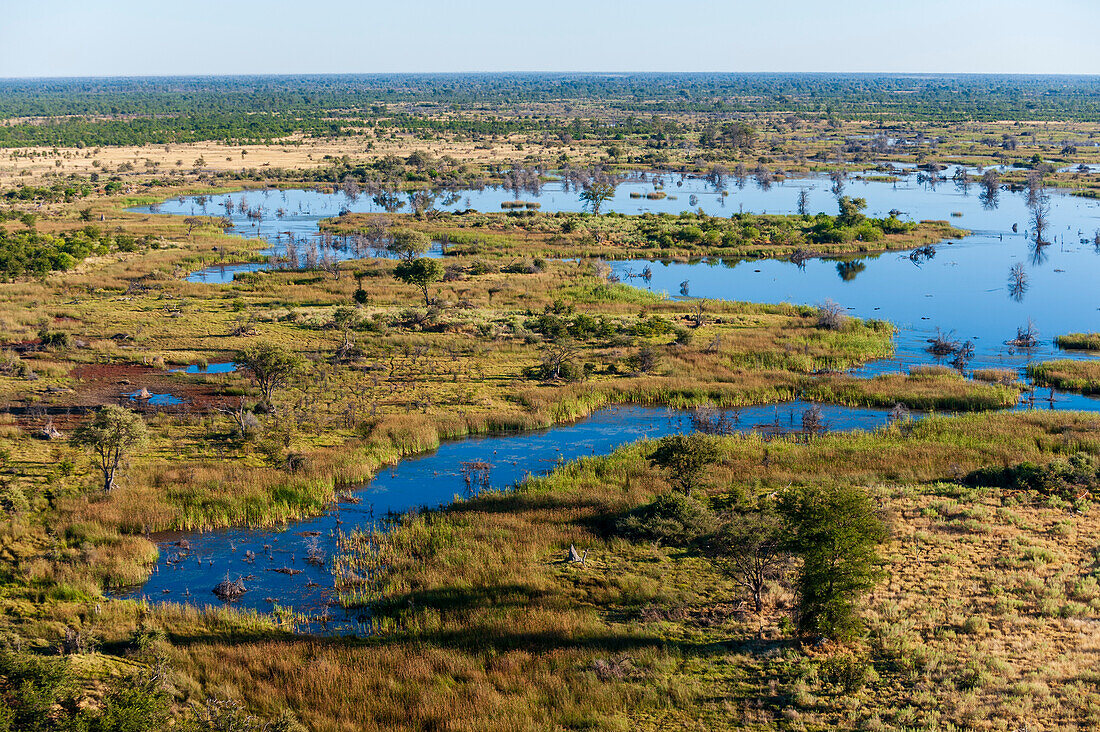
<point>1068,375</point>
<point>480,624</point>
<point>486,575</point>
<point>1079,341</point>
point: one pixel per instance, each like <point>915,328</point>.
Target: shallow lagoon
<point>963,290</point>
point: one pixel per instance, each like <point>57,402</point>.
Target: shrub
<point>645,360</point>
<point>673,519</point>
<point>975,625</point>
<point>31,688</point>
<point>831,316</point>
<point>847,672</point>
<point>1065,478</point>
<point>55,340</point>
<point>685,457</point>
<point>12,365</point>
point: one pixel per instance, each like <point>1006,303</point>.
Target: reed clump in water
<point>1006,377</point>
<point>1068,375</point>
<point>1079,341</point>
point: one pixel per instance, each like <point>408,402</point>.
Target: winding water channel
<point>192,563</point>
<point>963,290</point>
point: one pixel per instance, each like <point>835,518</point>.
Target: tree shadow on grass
<point>475,638</point>
<point>519,502</point>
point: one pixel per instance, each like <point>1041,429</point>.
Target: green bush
<point>1065,478</point>
<point>673,519</point>
<point>846,671</point>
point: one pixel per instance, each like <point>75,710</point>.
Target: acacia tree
<point>750,549</point>
<point>836,532</point>
<point>740,135</point>
<point>685,457</point>
<point>111,435</point>
<point>271,366</point>
<point>345,319</point>
<point>408,244</point>
<point>557,361</point>
<point>596,193</point>
<point>420,272</point>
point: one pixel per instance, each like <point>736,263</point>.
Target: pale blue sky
<point>153,37</point>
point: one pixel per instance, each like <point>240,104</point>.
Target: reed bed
<point>1068,375</point>
<point>1079,341</point>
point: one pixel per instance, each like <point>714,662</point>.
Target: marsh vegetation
<point>446,450</point>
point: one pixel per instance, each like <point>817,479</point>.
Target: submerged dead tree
<point>803,202</point>
<point>476,474</point>
<point>1017,281</point>
<point>942,344</point>
<point>1040,219</point>
<point>1027,336</point>
<point>991,188</point>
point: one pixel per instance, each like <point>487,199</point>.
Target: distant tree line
<point>844,95</point>
<point>251,109</point>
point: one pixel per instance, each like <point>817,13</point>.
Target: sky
<point>153,37</point>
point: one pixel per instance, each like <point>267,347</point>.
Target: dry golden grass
<point>986,619</point>
<point>35,166</point>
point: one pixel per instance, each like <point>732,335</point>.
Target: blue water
<point>189,574</point>
<point>225,367</point>
<point>916,200</point>
<point>157,400</point>
<point>963,290</point>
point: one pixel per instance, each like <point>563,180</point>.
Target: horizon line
<point>292,74</point>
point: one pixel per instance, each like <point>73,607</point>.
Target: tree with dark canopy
<point>835,531</point>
